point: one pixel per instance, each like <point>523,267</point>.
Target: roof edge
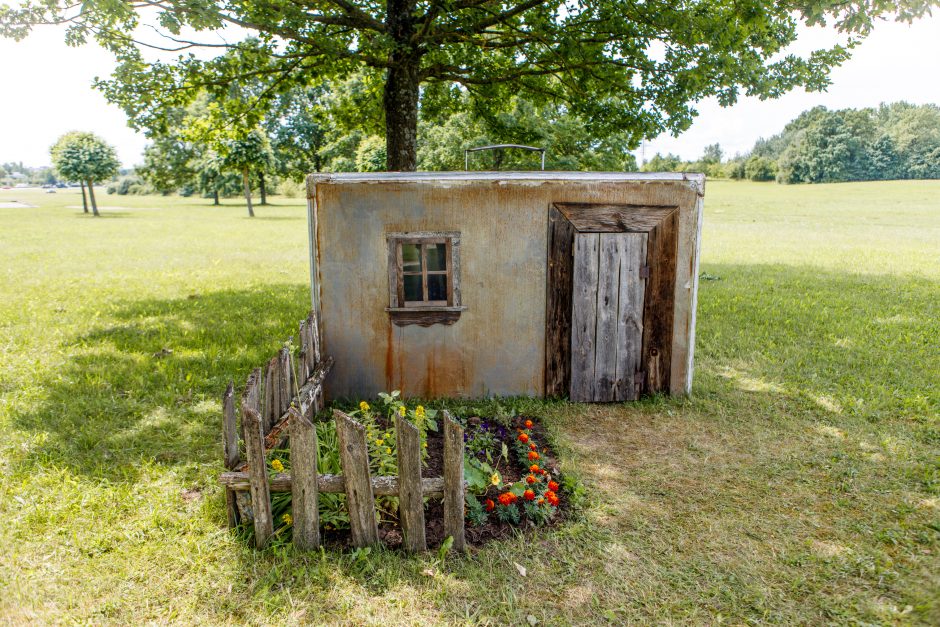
<point>696,179</point>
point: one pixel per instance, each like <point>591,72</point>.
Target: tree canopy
<point>618,65</point>
<point>85,157</point>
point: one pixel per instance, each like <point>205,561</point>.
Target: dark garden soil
<point>510,470</point>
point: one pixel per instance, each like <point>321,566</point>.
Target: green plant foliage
<point>621,67</point>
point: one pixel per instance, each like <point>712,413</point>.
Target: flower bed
<point>512,478</point>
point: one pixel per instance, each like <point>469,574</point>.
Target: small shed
<point>506,283</point>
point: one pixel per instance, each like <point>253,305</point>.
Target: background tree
<point>252,151</point>
<point>619,65</point>
<point>85,157</point>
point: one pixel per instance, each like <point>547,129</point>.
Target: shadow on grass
<point>145,386</point>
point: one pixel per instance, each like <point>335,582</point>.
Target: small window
<point>424,277</point>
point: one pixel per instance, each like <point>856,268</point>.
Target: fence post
<point>230,448</point>
<point>304,497</point>
<point>257,471</point>
<point>410,496</point>
<point>453,482</point>
<point>354,457</point>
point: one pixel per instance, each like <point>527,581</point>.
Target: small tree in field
<point>251,152</point>
<point>87,158</point>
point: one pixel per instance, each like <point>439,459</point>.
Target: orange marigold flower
<point>533,456</point>
<point>507,498</point>
<point>523,438</point>
<point>490,505</point>
<point>531,446</point>
<point>553,501</point>
<point>553,486</point>
<point>534,468</point>
<point>528,495</point>
<point>541,501</point>
<point>528,424</point>
<point>530,479</point>
<point>550,494</point>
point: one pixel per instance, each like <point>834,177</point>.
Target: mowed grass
<point>799,484</point>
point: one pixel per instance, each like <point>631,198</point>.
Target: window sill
<point>424,316</point>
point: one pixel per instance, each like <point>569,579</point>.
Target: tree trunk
<point>401,89</point>
<point>264,192</point>
<point>215,197</point>
<point>84,197</point>
<point>247,185</point>
<point>91,193</point>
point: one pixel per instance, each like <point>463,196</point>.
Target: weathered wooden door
<point>609,283</point>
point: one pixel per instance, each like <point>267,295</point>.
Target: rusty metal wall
<point>497,345</point>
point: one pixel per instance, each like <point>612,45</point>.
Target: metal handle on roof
<point>466,153</point>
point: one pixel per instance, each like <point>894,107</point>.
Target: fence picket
<point>271,404</point>
<point>229,428</point>
<point>257,471</point>
<point>285,373</point>
<point>410,501</point>
<point>354,458</point>
<point>453,482</point>
<point>304,497</point>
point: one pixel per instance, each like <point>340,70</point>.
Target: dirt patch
<point>15,204</point>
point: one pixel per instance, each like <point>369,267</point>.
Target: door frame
<point>661,224</point>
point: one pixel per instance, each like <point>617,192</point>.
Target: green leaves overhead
<point>633,68</point>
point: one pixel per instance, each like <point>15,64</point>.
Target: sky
<point>47,90</point>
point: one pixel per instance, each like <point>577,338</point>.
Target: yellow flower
<point>424,444</point>
<point>494,479</point>
<point>419,411</point>
<point>277,465</point>
<point>364,406</point>
<point>388,451</point>
<point>402,411</point>
<point>287,519</point>
<point>380,442</point>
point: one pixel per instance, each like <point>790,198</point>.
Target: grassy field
<point>799,484</point>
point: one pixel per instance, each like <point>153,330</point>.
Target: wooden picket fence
<point>277,417</point>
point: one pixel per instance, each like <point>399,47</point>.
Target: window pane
<point>437,256</point>
<point>437,287</point>
<point>413,290</point>
<point>411,257</point>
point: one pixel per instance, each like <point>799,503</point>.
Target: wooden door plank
<point>584,316</point>
<point>608,294</point>
<point>410,496</point>
<point>659,307</point>
<point>558,304</point>
<point>630,315</point>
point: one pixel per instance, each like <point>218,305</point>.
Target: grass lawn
<point>799,484</point>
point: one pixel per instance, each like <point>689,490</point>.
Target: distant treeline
<point>894,141</point>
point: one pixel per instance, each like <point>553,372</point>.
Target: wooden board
<point>229,428</point>
<point>410,496</point>
<point>558,304</point>
<point>258,477</point>
<point>454,488</point>
<point>660,302</point>
<point>239,481</point>
<point>584,316</point>
<point>304,498</point>
<point>601,218</point>
<point>607,315</point>
<point>630,306</point>
<point>354,458</point>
